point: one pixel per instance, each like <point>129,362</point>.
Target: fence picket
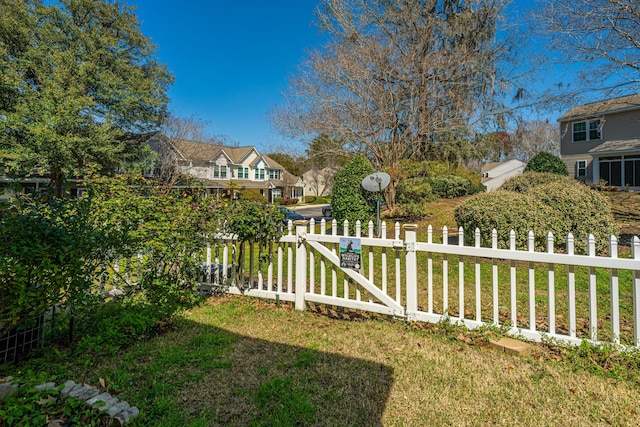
<point>593,310</point>
<point>494,278</point>
<point>635,254</point>
<point>478,285</point>
<point>461,275</point>
<point>615,294</point>
<point>513,286</point>
<point>532,285</point>
<point>551,286</point>
<point>305,246</point>
<point>383,235</point>
<point>571,282</point>
<point>445,273</point>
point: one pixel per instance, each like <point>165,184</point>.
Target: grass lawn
<point>240,361</point>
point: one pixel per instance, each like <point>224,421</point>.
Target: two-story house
<point>221,167</point>
<point>601,141</point>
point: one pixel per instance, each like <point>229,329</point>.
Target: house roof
<point>203,152</point>
<point>196,151</point>
<point>488,166</point>
<point>615,105</point>
<point>619,146</point>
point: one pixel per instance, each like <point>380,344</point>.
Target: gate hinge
<point>410,246</point>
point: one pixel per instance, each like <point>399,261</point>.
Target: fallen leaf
<point>44,401</point>
<point>103,383</point>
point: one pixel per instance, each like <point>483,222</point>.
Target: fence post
<point>301,264</point>
<point>410,232</point>
<point>635,254</point>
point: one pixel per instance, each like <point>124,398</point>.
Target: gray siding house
<point>601,141</point>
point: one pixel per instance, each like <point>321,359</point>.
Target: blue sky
<point>230,60</point>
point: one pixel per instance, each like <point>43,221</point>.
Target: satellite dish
<point>376,181</point>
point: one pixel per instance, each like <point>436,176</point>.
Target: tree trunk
<point>57,180</point>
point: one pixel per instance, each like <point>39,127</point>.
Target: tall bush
<point>349,201</point>
<point>579,210</point>
<point>522,183</point>
<point>450,186</point>
<point>546,162</point>
<point>561,206</point>
<point>49,250</point>
<point>504,211</point>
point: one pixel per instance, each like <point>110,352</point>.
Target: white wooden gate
<point>323,255</point>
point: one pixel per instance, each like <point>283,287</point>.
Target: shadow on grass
<point>203,375</point>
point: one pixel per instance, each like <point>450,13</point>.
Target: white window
<point>243,173</point>
<point>274,173</point>
<point>587,130</point>
<point>581,168</point>
<point>258,174</point>
<point>219,171</point>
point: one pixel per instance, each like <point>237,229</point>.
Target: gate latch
<point>302,238</point>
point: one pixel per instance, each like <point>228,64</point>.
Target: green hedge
<point>450,186</point>
<point>545,162</point>
<point>348,199</point>
<point>523,183</point>
<point>504,211</point>
<point>562,206</point>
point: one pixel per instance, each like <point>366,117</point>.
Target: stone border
<point>118,410</point>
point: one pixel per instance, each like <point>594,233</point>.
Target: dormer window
<point>258,174</point>
<point>219,171</point>
<point>243,173</point>
<point>274,174</point>
<point>586,131</point>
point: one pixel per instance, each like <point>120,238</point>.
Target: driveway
<point>309,211</point>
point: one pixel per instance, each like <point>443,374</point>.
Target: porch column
<point>595,164</point>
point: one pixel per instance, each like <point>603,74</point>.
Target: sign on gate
<point>350,253</point>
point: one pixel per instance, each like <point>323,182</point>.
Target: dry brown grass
<point>377,372</point>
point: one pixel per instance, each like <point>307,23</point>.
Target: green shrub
<point>251,194</point>
<point>504,211</point>
<point>414,190</point>
<point>522,183</point>
<point>349,201</point>
<point>413,211</point>
<point>578,210</point>
<point>545,162</point>
<point>562,206</point>
<point>450,186</point>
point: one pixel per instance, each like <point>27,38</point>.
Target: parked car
<point>290,215</point>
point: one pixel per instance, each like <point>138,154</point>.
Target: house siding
<point>624,125</point>
<point>617,125</point>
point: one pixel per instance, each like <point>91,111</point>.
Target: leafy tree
<point>545,162</point>
<point>349,201</point>
<point>78,77</point>
<point>399,78</point>
<point>293,164</point>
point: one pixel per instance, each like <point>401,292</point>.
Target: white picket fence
<point>563,295</point>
